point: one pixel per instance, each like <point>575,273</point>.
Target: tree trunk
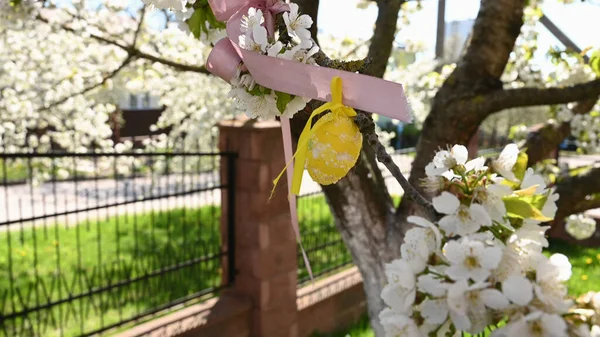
<point>363,210</point>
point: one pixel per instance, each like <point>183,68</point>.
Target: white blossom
<point>297,25</point>
<point>490,198</point>
<point>398,325</point>
<point>400,291</point>
<point>253,19</point>
<point>460,219</point>
<point>506,161</point>
<point>447,159</point>
<point>535,324</point>
<point>580,227</point>
<point>470,259</point>
<point>564,114</point>
<point>518,289</point>
<point>549,285</point>
<point>468,303</point>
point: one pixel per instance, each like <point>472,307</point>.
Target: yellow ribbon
<point>336,107</point>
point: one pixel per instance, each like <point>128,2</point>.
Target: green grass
<point>322,241</point>
<point>586,266</point>
<point>13,171</point>
<point>48,265</point>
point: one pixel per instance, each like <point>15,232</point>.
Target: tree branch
<point>540,143</point>
<point>578,193</point>
<point>139,27</point>
<point>524,97</point>
<point>105,78</point>
<point>383,36</point>
<point>367,128</point>
<point>486,58</point>
<point>132,51</point>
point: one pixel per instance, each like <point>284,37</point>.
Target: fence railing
<point>93,241</point>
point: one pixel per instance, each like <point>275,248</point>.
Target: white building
<point>455,39</point>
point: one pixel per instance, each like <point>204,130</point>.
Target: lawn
<point>53,263</point>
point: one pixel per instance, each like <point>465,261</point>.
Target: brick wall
<point>331,304</point>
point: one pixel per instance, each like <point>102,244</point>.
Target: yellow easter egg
<point>333,148</point>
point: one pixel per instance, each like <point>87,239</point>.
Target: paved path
<point>66,200</point>
<point>25,202</point>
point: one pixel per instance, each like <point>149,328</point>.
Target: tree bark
<point>383,36</point>
<point>577,194</point>
<point>542,142</point>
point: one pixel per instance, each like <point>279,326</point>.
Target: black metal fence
<point>93,241</point>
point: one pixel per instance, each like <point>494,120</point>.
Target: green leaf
<point>196,22</point>
<point>520,208</point>
<point>256,91</point>
<point>212,20</point>
<point>283,99</point>
<point>595,62</point>
<point>538,201</point>
<point>521,165</point>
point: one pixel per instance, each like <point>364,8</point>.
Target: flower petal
<point>446,203</point>
<point>508,156</point>
<point>461,322</point>
<point>304,21</point>
<point>454,252</point>
<point>398,298</point>
<point>430,285</point>
<point>479,274</point>
<point>480,215</point>
<point>518,289</point>
<point>449,224</point>
<point>420,221</point>
<point>476,165</point>
<point>491,258</point>
<point>458,272</point>
<point>460,154</point>
<point>493,298</point>
<point>563,265</point>
<point>259,33</point>
<point>554,324</point>
<point>434,311</point>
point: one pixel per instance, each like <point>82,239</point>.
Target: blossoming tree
<point>462,252</point>
<point>63,68</point>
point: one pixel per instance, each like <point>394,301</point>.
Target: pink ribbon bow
<point>362,92</point>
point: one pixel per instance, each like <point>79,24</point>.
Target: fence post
<point>231,170</point>
<point>264,244</point>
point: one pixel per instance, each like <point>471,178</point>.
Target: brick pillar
<point>265,246</point>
